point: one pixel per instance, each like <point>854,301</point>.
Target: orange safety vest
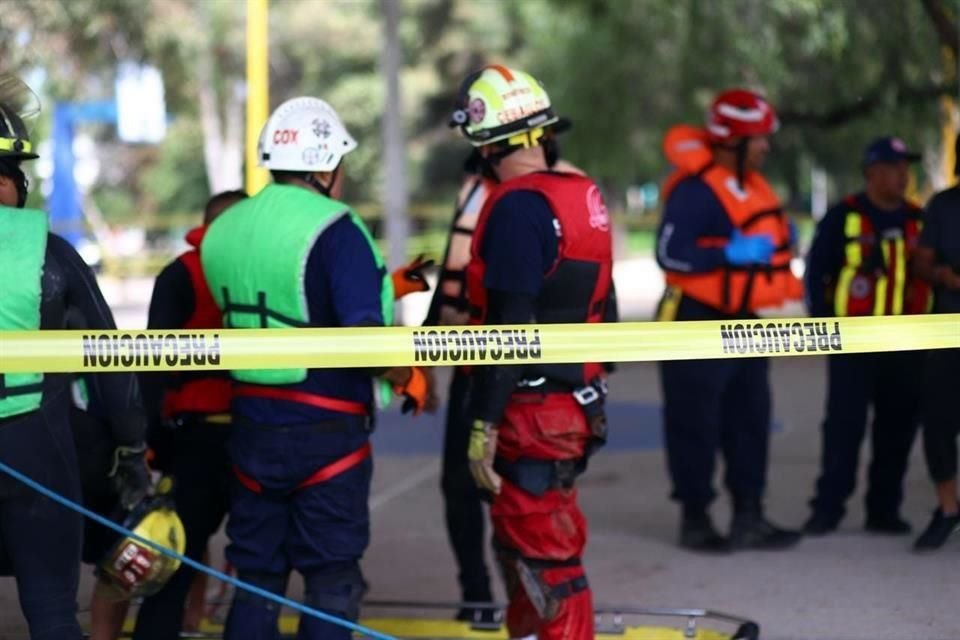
<point>753,209</point>
<point>875,279</point>
<point>207,392</point>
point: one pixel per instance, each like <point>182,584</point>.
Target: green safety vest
<point>23,245</point>
<point>255,257</point>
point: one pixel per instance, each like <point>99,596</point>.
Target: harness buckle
<point>586,395</point>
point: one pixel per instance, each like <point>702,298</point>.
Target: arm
<point>519,247</point>
<point>119,391</point>
<point>691,213</point>
<point>343,258</point>
<point>171,305</point>
<point>925,261</point>
<point>824,260</point>
<point>498,383</point>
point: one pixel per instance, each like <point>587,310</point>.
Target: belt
<point>194,418</point>
<point>586,394</point>
<point>538,476</point>
<point>303,397</point>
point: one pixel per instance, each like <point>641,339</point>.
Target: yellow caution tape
<point>89,351</point>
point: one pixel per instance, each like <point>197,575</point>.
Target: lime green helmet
<point>498,104</point>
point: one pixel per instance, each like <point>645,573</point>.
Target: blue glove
<point>743,250</point>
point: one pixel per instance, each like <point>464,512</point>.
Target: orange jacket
<point>754,209</point>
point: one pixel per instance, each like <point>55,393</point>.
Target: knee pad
<point>275,583</point>
<point>338,592</point>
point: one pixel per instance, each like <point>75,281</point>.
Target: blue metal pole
<point>65,213</point>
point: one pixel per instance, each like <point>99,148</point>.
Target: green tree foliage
<point>839,72</point>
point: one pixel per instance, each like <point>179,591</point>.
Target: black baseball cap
<point>888,150</point>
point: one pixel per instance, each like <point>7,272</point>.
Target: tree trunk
<point>222,145</point>
<point>395,190</point>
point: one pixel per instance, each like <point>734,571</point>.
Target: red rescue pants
<point>548,530</point>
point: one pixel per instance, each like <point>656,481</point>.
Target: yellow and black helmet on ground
<point>132,569</point>
<point>500,104</point>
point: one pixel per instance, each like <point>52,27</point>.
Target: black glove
<point>129,474</point>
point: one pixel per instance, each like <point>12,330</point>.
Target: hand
<point>946,277</point>
<point>129,474</point>
<point>743,250</point>
<point>481,452</point>
<point>419,391</point>
<point>410,278</point>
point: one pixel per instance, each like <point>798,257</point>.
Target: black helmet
<point>17,102</point>
<point>14,140</point>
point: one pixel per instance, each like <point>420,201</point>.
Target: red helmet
<point>738,113</point>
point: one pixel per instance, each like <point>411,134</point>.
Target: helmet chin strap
<point>741,151</point>
<point>311,180</point>
<point>740,154</point>
<point>488,163</point>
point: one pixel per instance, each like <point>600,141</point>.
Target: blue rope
<point>192,563</point>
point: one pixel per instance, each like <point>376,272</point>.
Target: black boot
<point>751,530</point>
<point>941,527</point>
<point>697,532</point>
<point>479,609</point>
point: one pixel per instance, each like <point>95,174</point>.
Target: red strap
<point>322,474</point>
<point>337,467</point>
<point>249,483</point>
<point>312,399</point>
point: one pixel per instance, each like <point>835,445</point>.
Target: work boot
<point>820,524</point>
<point>891,524</point>
<point>481,618</point>
<point>697,533</point>
<point>479,609</point>
<point>940,528</point>
<point>751,530</point>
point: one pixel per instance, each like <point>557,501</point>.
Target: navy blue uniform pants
<point>941,420</point>
<point>42,539</point>
<point>320,531</point>
<point>711,407</point>
<point>202,479</point>
<point>463,507</point>
<point>891,383</point>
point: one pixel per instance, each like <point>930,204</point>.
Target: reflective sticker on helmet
<point>311,156</point>
<point>743,114</point>
<point>321,128</point>
<point>512,114</point>
<point>477,110</point>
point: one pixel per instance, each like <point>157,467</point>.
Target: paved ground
<point>849,586</point>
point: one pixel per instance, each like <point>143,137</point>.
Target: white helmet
<point>304,134</point>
